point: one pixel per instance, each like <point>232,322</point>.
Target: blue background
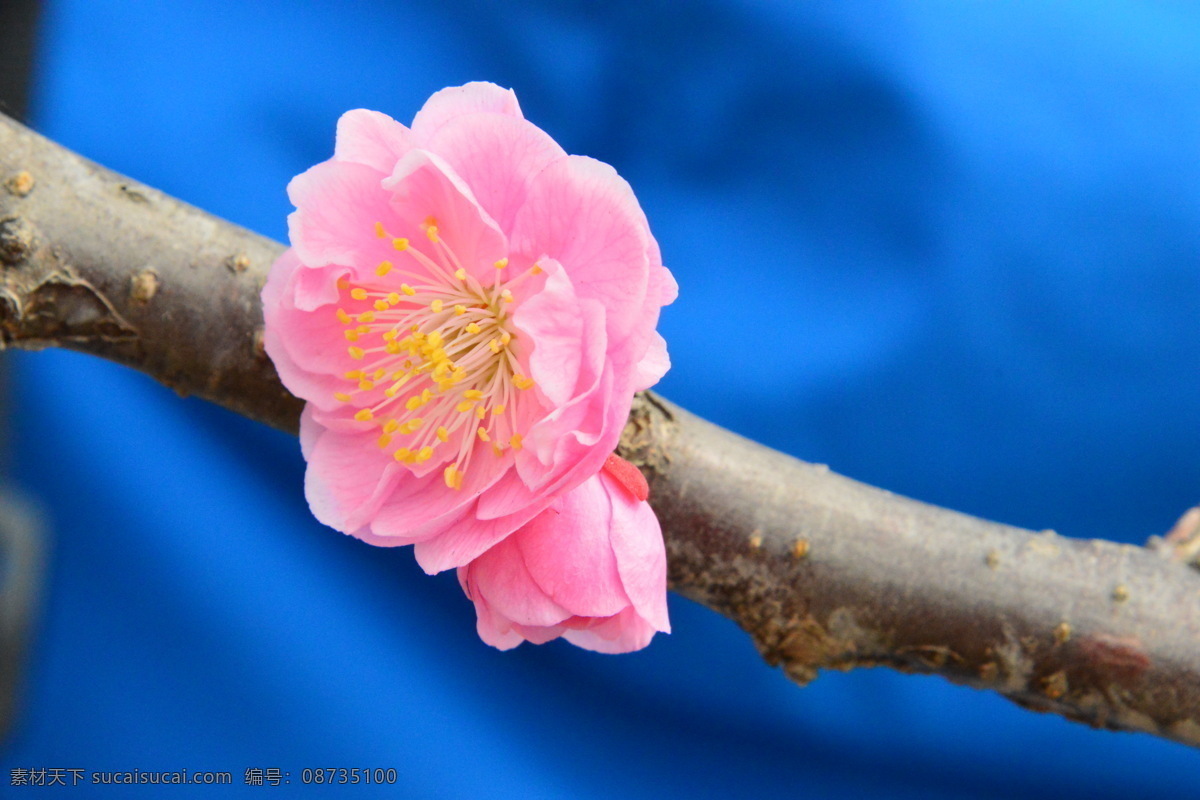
<point>951,249</point>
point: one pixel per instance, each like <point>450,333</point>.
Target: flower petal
<point>500,577</point>
<point>622,633</point>
<point>371,138</point>
<point>497,156</point>
<point>553,321</point>
<point>637,544</point>
<point>337,206</point>
<point>580,212</point>
<point>653,365</point>
<point>422,185</point>
<point>568,553</point>
<point>347,478</point>
<point>455,101</point>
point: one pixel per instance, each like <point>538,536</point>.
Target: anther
<point>400,244</point>
<point>358,294</point>
<point>384,268</point>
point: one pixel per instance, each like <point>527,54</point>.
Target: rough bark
<point>822,571</point>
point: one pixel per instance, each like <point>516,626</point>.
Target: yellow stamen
<point>502,263</point>
<point>384,441</point>
<point>384,268</point>
<point>342,284</point>
<point>494,345</point>
<point>464,406</point>
<point>366,386</point>
<point>443,434</point>
<point>343,317</point>
<point>382,305</point>
<point>521,382</point>
<point>453,477</point>
<point>354,375</point>
<point>400,244</point>
<point>480,412</point>
<point>460,310</point>
<point>483,434</point>
<point>356,353</point>
<point>359,293</point>
<point>460,273</point>
<point>473,394</point>
<point>364,415</point>
<point>393,298</point>
<point>436,305</point>
<point>366,316</point>
<point>408,290</point>
<point>341,397</point>
<point>432,233</point>
<point>497,410</point>
<point>379,231</point>
<point>473,328</point>
<point>536,269</point>
<point>351,336</point>
<point>425,453</point>
<point>515,441</point>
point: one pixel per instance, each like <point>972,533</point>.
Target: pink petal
<point>501,578</point>
<point>337,206</point>
<point>583,417</point>
<point>580,212</point>
<point>422,185</point>
<point>568,554</point>
<point>540,635</point>
<point>623,633</point>
<point>456,101</point>
<point>371,138</point>
<point>552,320</point>
<point>497,156</point>
<point>347,479</point>
<point>427,507</point>
<point>459,543</point>
<point>293,339</point>
<point>653,365</point>
<point>637,542</point>
<point>494,629</point>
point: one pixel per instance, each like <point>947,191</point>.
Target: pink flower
<point>591,568</point>
<point>468,311</point>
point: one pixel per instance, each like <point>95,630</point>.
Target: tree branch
<point>822,571</point>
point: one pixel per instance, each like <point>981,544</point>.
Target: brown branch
<point>822,571</point>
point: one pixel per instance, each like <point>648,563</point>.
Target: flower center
<point>440,370</point>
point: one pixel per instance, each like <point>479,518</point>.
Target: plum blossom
<point>468,312</point>
<point>590,568</point>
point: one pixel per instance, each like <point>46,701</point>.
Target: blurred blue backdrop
<point>963,238</point>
